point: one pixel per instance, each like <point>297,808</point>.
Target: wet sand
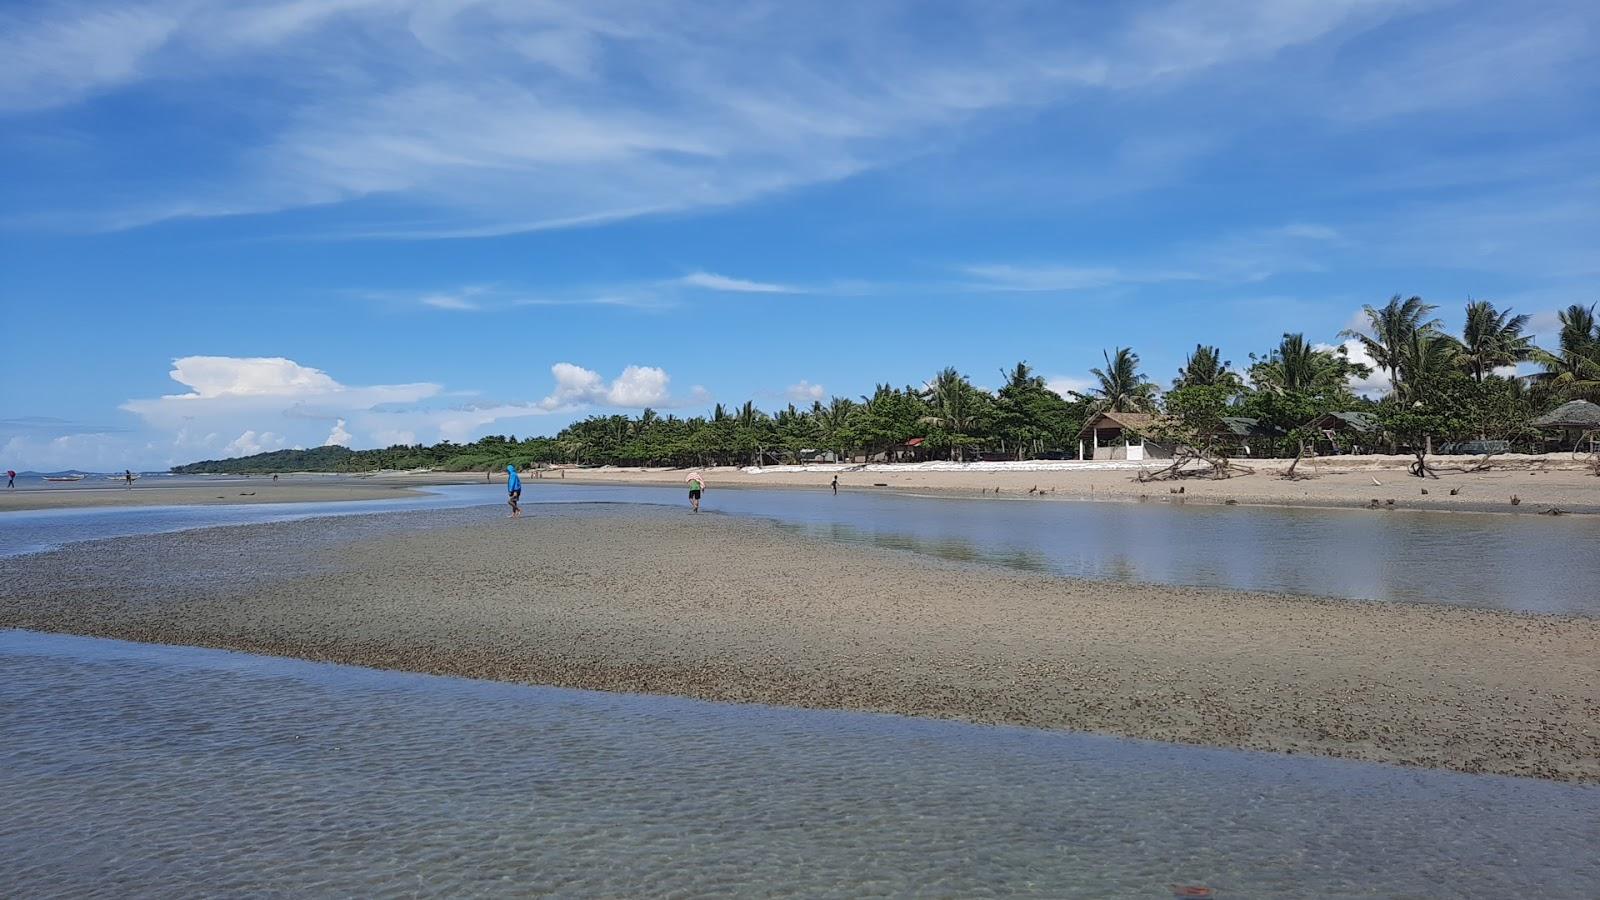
<point>289,489</point>
<point>1541,483</point>
<point>726,609</point>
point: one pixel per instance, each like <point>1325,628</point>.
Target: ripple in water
<point>133,770</point>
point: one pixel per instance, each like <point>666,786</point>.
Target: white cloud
<point>57,59</point>
<point>226,385</point>
<point>1372,386</point>
<point>338,437</point>
<point>804,391</point>
<point>459,302</point>
<point>389,437</point>
<point>249,443</point>
<point>636,388</point>
<point>1065,385</point>
<point>715,282</point>
<point>498,116</point>
<point>1005,277</point>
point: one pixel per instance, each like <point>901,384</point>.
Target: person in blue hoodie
<point>513,492</point>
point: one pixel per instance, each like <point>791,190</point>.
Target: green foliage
<point>1573,372</point>
<point>1123,388</point>
<point>1194,417</point>
<point>1491,338</point>
<point>1205,367</point>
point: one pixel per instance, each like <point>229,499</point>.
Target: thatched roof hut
<point>1119,435</point>
<point>1574,414</point>
<point>1571,422</point>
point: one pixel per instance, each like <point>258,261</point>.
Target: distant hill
<point>492,452</point>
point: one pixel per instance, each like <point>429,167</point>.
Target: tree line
<point>1443,388</point>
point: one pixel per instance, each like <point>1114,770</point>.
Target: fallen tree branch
<point>1218,466</point>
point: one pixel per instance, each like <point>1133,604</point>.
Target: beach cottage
<point>1119,435</point>
<point>1572,424</point>
<point>1348,432</point>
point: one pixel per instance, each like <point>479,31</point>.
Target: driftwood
<point>1482,465</point>
<point>1220,466</point>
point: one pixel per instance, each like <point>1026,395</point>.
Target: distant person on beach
<point>513,492</point>
<point>11,478</point>
<point>836,485</point>
<point>696,486</point>
<point>127,476</point>
<point>274,479</point>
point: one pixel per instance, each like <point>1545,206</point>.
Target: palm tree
<point>1293,365</point>
<point>1393,329</point>
<point>1021,377</point>
<point>954,405</point>
<point>1491,339</point>
<point>1574,372</point>
<point>1205,367</point>
<point>1122,388</point>
<point>1425,359</point>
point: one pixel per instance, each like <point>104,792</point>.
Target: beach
<point>1540,483</point>
<point>298,488</point>
<point>720,608</point>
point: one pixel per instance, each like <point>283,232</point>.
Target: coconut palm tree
<point>1426,359</point>
<point>1573,373</point>
<point>1491,339</point>
<point>955,407</point>
<point>1122,388</point>
<point>1205,367</point>
<point>1293,365</point>
<point>1021,377</point>
<point>1393,328</point>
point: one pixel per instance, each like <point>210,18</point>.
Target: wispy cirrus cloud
<point>493,117</point>
<point>714,282</point>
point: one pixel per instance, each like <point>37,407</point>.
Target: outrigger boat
<point>65,477</point>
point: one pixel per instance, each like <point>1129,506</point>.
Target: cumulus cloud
<point>1065,385</point>
<point>224,386</point>
<point>389,437</point>
<point>635,388</point>
<point>805,392</point>
<point>250,443</point>
<point>715,282</point>
<point>1373,386</point>
<point>338,437</point>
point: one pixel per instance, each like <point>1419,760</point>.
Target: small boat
<point>123,477</point>
<point>64,477</point>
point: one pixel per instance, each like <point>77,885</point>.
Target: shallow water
<point>135,770</point>
<point>1531,563</point>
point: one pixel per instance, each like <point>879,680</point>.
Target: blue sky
<point>235,226</point>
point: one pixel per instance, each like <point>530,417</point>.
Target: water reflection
<point>1533,563</point>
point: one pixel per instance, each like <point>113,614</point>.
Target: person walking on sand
<point>11,478</point>
<point>514,492</point>
<point>836,485</point>
<point>696,486</point>
<point>127,476</point>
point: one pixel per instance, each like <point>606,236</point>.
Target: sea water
<point>1523,562</point>
<point>133,770</point>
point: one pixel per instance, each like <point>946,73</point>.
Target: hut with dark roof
<point>1571,423</point>
<point>1351,431</point>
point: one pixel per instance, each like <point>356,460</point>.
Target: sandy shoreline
<point>1540,484</point>
<point>288,489</point>
<point>727,609</point>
